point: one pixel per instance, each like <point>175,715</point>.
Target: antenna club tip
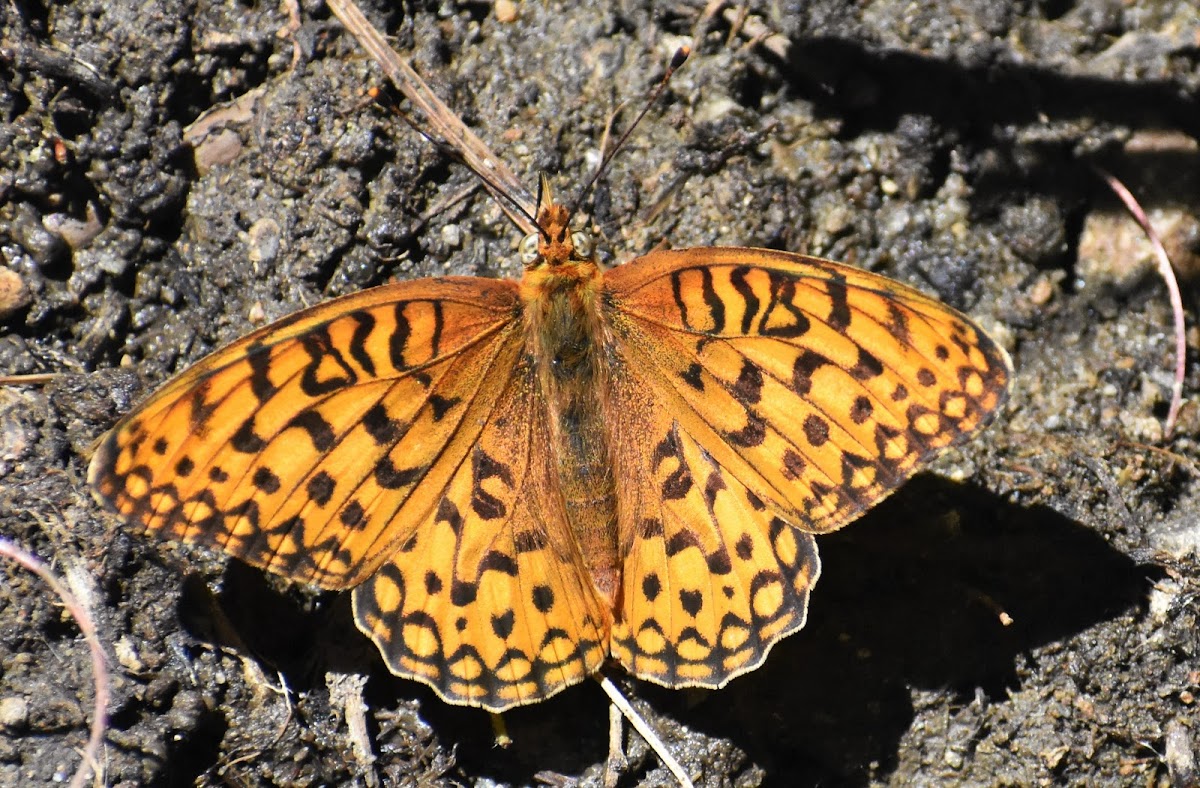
<point>680,55</point>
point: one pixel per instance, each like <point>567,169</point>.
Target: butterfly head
<point>555,244</point>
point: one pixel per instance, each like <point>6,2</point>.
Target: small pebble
<point>14,712</point>
<point>506,11</point>
<point>14,294</point>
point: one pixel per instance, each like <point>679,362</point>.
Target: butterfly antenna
<point>493,185</point>
<point>677,61</point>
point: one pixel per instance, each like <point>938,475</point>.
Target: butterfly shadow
<point>942,589</point>
<point>914,596</point>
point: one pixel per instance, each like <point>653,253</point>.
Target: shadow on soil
<point>910,597</point>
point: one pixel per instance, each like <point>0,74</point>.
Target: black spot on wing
<point>352,515</point>
<point>382,428</point>
<point>861,410</point>
<point>805,365</point>
<point>747,389</point>
<point>692,601</point>
<point>816,430</point>
<point>441,405</point>
<point>679,481</point>
<point>752,434</point>
<point>542,598</point>
<point>259,359</point>
<point>839,310</point>
<point>783,318</point>
<point>694,376</point>
<point>497,561</point>
<point>737,278</point>
<point>463,593</point>
<point>321,352</point>
<point>389,477</point>
<point>320,488</point>
<point>716,307</point>
<point>320,431</point>
<point>897,324</point>
<point>867,366</point>
<point>364,324</point>
<point>681,541</point>
<point>502,625</point>
<point>245,440</point>
<point>483,468</point>
<point>400,336</point>
<point>265,480</point>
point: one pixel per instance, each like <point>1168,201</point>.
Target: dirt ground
<point>947,144</point>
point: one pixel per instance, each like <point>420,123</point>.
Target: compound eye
<point>584,245</point>
<point>529,249</point>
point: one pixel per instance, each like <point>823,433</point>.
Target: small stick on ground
<point>642,727</point>
<point>346,695</point>
<point>759,34</point>
<point>83,617</point>
<point>447,127</point>
<point>36,379</point>
<point>1168,274</point>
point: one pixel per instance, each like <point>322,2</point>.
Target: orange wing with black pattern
<point>759,398</point>
<point>374,441</point>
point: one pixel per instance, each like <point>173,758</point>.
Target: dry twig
<point>446,127</point>
<point>642,727</point>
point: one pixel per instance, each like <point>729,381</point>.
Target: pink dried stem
<point>1167,272</point>
<point>91,755</point>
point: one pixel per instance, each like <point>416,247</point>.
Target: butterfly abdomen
<point>565,336</point>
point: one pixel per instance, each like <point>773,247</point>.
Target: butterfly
<point>520,481</point>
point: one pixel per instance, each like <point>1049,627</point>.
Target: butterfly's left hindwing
<point>488,601</point>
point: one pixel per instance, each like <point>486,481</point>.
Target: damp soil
<point>1023,613</point>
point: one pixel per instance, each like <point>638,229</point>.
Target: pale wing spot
<point>955,406</point>
<point>734,638</point>
<point>785,546</point>
<point>973,384</point>
<point>863,477</point>
<point>467,669</point>
<point>927,424</point>
<point>693,651</point>
<point>419,639</point>
<point>768,596</point>
<point>136,487</point>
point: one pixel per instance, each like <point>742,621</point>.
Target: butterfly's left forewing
<point>778,396</point>
<point>309,447</point>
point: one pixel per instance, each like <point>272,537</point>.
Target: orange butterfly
<point>522,480</point>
